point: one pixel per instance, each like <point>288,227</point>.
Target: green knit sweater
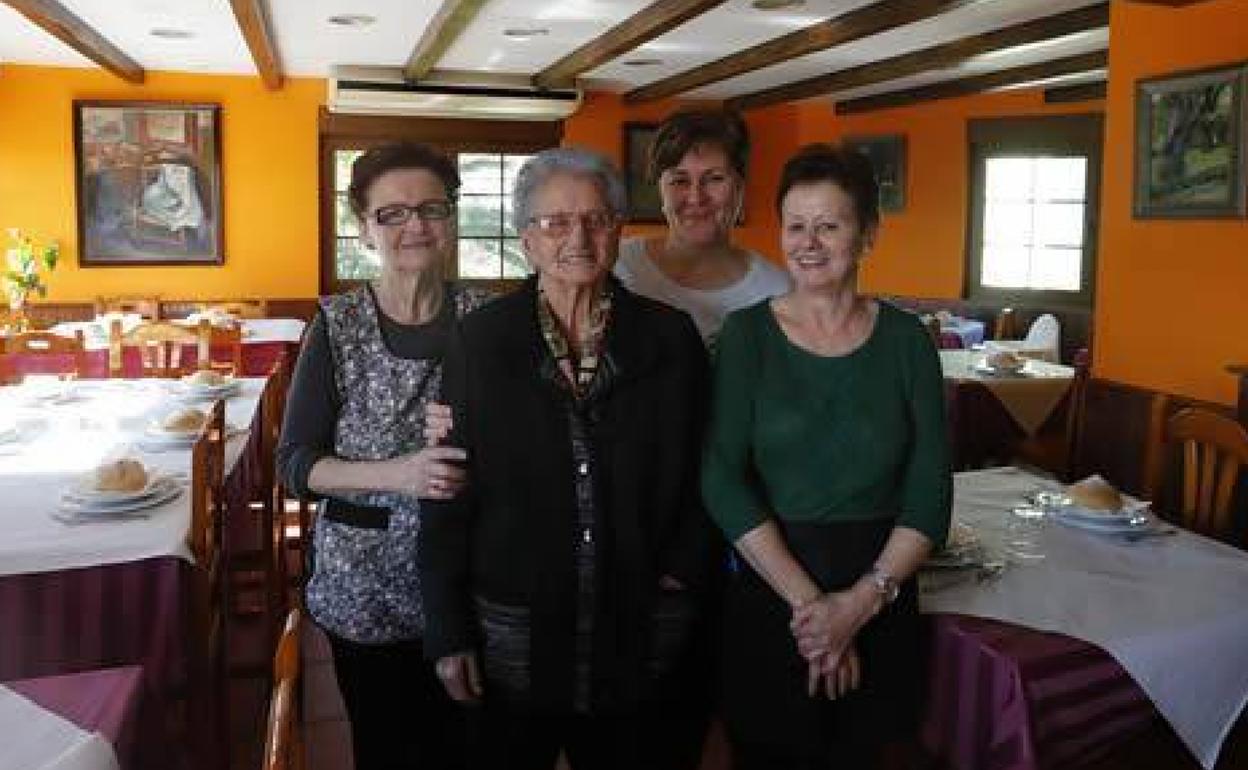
<point>813,438</point>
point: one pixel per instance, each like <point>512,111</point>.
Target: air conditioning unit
<point>383,91</point>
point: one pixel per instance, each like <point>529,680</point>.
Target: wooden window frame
<point>452,136</point>
<point>1077,134</point>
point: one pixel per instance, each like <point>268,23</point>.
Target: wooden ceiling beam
<point>937,57</point>
<point>640,28</point>
<point>853,25</point>
<point>1015,76</point>
<point>253,22</point>
<point>444,29</point>
<point>61,23</point>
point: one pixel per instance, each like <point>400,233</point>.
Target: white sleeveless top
<point>707,307</point>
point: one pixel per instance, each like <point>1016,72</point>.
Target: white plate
<point>83,489</point>
<point>996,371</point>
<point>200,392</point>
<point>1115,525</point>
<point>168,489</point>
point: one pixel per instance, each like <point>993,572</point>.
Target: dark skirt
<point>765,705</point>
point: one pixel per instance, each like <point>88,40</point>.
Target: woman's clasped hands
<point>824,630</point>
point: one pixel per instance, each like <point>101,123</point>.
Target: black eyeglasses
<point>399,214</point>
<point>560,225</point>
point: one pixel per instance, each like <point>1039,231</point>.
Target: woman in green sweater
<point>827,467</point>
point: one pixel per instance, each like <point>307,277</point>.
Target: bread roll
<point>1004,359</point>
<point>1095,494</point>
<point>120,476</point>
<point>184,420</point>
<point>205,378</point>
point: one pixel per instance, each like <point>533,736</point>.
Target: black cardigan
<point>509,537</point>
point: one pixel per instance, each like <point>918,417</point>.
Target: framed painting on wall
<point>644,204</point>
<point>887,154</point>
<point>1190,134</point>
<point>148,183</point>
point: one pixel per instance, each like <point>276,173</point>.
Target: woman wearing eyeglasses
<point>352,439</point>
<point>698,159</point>
<point>562,583</point>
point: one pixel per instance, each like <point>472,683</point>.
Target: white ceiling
<point>309,46</point>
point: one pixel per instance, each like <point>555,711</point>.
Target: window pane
<point>1008,179</point>
<point>342,168</point>
<point>479,258</point>
<point>1056,268</point>
<point>508,230</point>
<point>480,216</point>
<point>1059,224</point>
<point>480,174</point>
<point>1005,267</point>
<point>355,262</point>
<point>1007,223</point>
<point>347,224</point>
<point>1062,179</point>
<point>511,169</point>
<point>515,265</point>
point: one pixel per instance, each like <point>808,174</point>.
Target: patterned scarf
<point>578,371</point>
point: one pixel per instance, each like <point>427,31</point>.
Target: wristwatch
<point>885,584</point>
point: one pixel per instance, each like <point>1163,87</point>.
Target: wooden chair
<point>1214,454</point>
<point>206,641</point>
<point>160,345</point>
<point>211,339</point>
<point>283,745</point>
<point>50,351</point>
<point>1006,324</point>
<point>148,307</point>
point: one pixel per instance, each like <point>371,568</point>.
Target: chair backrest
<point>236,308</point>
<point>1003,328</point>
<point>283,748</point>
<point>206,642</point>
<point>160,345</point>
<point>1044,333</point>
<point>212,338</point>
<point>148,307</point>
<point>1214,455</point>
<point>55,348</point>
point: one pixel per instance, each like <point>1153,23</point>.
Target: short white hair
<point>574,161</point>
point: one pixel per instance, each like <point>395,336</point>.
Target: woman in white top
<point>698,158</point>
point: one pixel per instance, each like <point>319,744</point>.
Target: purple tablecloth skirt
<point>1005,697</point>
<point>105,702</point>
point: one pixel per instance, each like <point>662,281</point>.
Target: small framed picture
<point>148,179</point>
<point>887,154</point>
<point>644,204</point>
<point>1190,135</point>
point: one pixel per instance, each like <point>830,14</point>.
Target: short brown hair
<point>688,128</point>
<point>848,169</point>
<point>371,165</point>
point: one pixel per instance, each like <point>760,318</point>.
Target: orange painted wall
<point>773,136</point>
<point>921,250</point>
<point>1171,297</point>
<point>269,142</point>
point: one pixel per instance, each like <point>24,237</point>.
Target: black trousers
<point>401,716</point>
<point>650,738</point>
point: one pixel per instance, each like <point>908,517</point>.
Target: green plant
<point>25,265</point>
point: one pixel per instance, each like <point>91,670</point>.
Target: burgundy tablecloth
<point>105,702</point>
<point>1003,697</point>
<point>258,359</point>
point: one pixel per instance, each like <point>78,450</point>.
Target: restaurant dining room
<point>283,485</point>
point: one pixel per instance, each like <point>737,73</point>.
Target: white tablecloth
<point>1173,611</point>
<point>37,739</point>
<point>60,442</point>
<point>1029,396</point>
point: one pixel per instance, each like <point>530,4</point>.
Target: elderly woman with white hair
<point>562,585</point>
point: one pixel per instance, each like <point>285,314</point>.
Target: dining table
<point>88,720</point>
<point>264,340</point>
<point>1062,640</point>
<point>77,592</point>
<point>991,411</point>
